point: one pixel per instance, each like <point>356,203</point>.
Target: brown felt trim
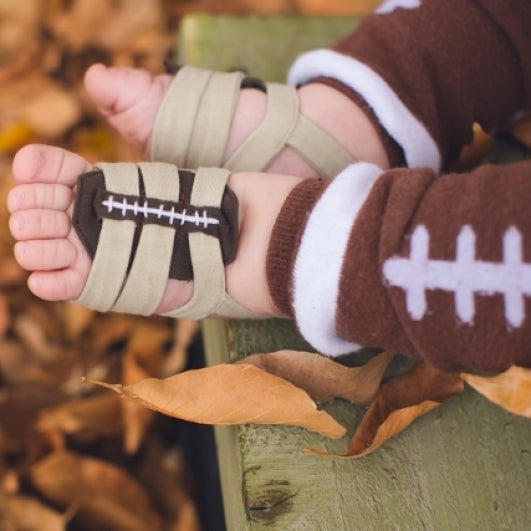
<point>285,240</point>
<point>89,212</point>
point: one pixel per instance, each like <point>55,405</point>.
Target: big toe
<point>115,90</point>
<point>128,97</point>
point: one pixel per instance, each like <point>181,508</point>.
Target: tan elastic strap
<point>318,148</point>
<point>209,295</point>
<point>267,140</point>
<point>147,279</point>
<point>109,267</point>
<point>205,251</point>
<point>214,117</point>
<point>177,114</point>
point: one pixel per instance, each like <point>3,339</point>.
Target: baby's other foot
<point>129,98</point>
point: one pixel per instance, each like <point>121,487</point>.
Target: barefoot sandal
<point>194,119</point>
<point>144,223</point>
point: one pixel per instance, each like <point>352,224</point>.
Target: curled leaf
<point>510,389</point>
<point>231,394</point>
<point>323,378</point>
<point>398,403</point>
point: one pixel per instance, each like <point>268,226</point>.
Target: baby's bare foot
<point>41,207</point>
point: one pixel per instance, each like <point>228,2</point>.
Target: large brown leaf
<point>231,394</point>
<point>29,514</point>
<point>398,403</point>
<point>510,389</point>
<point>323,378</point>
<point>106,496</point>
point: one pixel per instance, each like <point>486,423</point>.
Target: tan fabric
<point>266,141</point>
<point>308,140</point>
<point>193,123</point>
<point>138,287</point>
<point>177,114</point>
<point>214,116</point>
<point>147,279</point>
<point>109,266</point>
<point>209,272</point>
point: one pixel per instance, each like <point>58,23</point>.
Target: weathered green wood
<point>262,47</point>
<point>464,466</point>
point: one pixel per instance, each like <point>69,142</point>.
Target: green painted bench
<point>464,466</point>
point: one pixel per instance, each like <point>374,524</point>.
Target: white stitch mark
<point>390,5</point>
<point>124,206</point>
<point>465,276</point>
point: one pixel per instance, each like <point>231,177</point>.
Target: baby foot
<point>130,99</point>
<point>41,207</point>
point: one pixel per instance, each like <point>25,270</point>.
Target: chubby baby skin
<point>41,203</point>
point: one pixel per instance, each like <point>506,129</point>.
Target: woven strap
<point>209,295</point>
<point>193,121</point>
<point>144,288</point>
<point>318,148</point>
<point>110,263</point>
<point>268,139</point>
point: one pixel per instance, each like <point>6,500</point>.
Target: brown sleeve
<point>436,268</point>
<point>450,63</point>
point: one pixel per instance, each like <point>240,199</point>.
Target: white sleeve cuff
<point>420,150</point>
<point>319,261</point>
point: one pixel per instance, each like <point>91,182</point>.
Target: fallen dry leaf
<point>86,419</point>
<point>142,359</point>
<point>231,394</point>
<point>136,419</point>
<point>510,389</point>
<point>397,404</point>
<point>323,378</point>
<point>184,331</point>
<point>76,319</point>
<point>29,514</point>
<point>106,497</point>
<point>51,111</point>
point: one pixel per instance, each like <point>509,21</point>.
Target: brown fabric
<point>394,152</point>
<point>366,302</point>
<point>489,200</point>
<point>285,239</point>
<point>452,63</point>
<point>89,211</point>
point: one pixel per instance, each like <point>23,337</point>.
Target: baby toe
<point>37,163</point>
<point>39,195</point>
<point>39,224</point>
<point>45,255</point>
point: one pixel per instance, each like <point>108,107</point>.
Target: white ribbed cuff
<point>420,150</point>
<point>319,260</point>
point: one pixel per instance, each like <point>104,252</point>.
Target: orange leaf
<point>86,419</point>
<point>106,497</point>
<point>323,378</point>
<point>231,394</point>
<point>24,512</point>
<point>510,389</point>
<point>398,403</point>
